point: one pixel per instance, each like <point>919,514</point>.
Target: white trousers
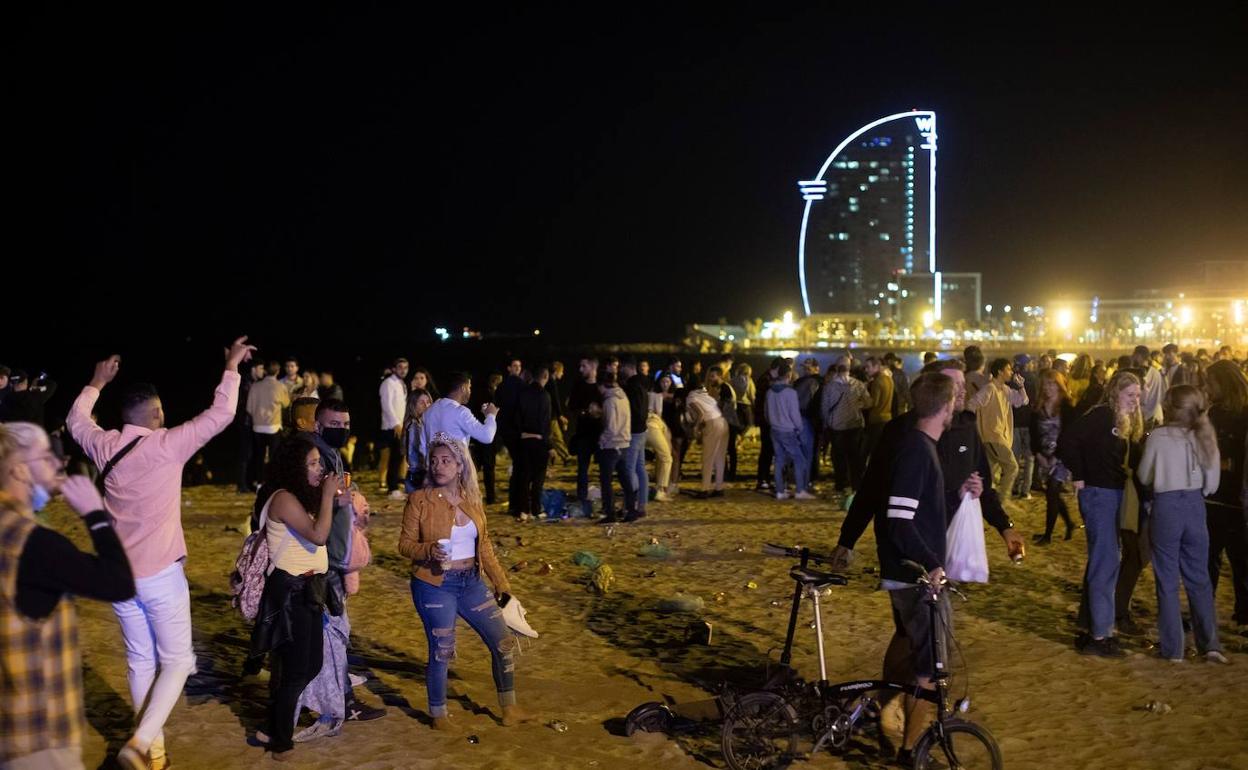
<point>156,627</point>
<point>714,451</point>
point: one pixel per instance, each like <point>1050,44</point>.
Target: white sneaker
<point>1216,656</point>
<point>662,497</point>
<point>514,614</point>
<point>804,495</point>
<point>319,729</point>
<point>398,494</point>
<point>782,495</point>
<point>356,679</point>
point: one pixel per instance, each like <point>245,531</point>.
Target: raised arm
<point>189,437</point>
<point>90,436</point>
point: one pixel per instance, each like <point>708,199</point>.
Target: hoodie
<point>783,412</point>
<point>616,419</point>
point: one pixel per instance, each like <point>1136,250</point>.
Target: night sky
<point>601,173</point>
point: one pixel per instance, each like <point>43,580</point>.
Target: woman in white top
<point>1182,465</point>
<point>295,588</point>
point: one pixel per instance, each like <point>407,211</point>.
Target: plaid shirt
<point>40,668</point>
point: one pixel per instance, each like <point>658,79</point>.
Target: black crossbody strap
<point>112,463</point>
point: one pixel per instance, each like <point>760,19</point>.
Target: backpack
<point>252,566</point>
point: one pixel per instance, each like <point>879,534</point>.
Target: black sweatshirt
<point>637,388</point>
<point>533,411</point>
<point>912,527</point>
<point>50,567</point>
<point>961,453</point>
<point>1092,451</point>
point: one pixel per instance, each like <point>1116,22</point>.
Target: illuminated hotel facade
<point>869,225</point>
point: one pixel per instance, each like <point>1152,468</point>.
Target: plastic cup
<point>445,544</point>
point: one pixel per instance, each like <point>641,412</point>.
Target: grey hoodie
<point>783,412</point>
<point>616,418</point>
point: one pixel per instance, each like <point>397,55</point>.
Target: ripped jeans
<point>462,594</point>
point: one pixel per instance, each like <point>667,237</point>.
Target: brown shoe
<point>514,715</point>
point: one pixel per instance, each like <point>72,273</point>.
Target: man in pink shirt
<point>142,469</point>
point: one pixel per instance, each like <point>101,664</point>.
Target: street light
<point>1064,318</point>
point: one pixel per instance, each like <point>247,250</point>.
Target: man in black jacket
<point>533,421</point>
<point>637,390</point>
<point>26,400</point>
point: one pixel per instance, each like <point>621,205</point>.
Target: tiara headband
<point>442,438</point>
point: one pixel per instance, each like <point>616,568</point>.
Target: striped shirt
<point>912,526</point>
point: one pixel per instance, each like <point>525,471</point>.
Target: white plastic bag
<point>966,556</point>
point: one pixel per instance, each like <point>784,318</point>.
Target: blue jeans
<point>635,466</point>
<point>808,448</point>
<point>1100,515</point>
<point>1026,460</point>
<point>612,460</point>
<point>1180,539</point>
<point>788,445</point>
<point>462,594</point>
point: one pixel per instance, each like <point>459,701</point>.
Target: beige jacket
<point>428,518</point>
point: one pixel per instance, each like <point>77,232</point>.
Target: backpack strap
<point>262,528</point>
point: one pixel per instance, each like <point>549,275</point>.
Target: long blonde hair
<point>1063,395</point>
<point>1130,426</point>
<point>1186,407</point>
<point>468,491</point>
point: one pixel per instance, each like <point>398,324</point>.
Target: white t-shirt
<point>464,541</point>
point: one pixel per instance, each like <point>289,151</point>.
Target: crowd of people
<point>1153,445</point>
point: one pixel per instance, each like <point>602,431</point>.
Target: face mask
<point>336,437</point>
<point>40,497</point>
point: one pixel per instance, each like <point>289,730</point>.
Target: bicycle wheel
<point>760,733</point>
<point>966,746</point>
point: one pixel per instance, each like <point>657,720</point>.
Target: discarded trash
<point>546,569</point>
<point>740,549</point>
<point>654,541</point>
<point>521,541</point>
<point>777,603</point>
<point>719,597</point>
<point>652,573</point>
<point>610,531</point>
<point>1157,707</point>
<point>655,551</point>
<point>602,579</point>
<point>519,565</point>
<point>751,585</point>
<point>557,726</point>
<point>473,739</point>
<point>699,632</point>
<point>681,602</point>
<point>868,570</point>
<point>586,559</point>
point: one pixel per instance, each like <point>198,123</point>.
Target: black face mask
<point>336,437</point>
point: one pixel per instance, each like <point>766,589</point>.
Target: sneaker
<point>782,495</point>
<point>804,495</point>
<point>1127,625</point>
<point>634,516</point>
<point>1216,656</point>
<point>356,679</point>
<point>397,494</point>
<point>514,615</point>
<point>1105,648</point>
<point>131,758</point>
<point>662,497</point>
<point>360,712</point>
<point>263,738</point>
<point>321,728</point>
<point>763,486</point>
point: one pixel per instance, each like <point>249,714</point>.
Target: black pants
<point>731,472</point>
<point>873,436</point>
<point>516,489</point>
<point>292,666</point>
<point>1054,505</point>
<point>766,453</point>
<point>1228,532</point>
<point>243,468</point>
<point>484,455</point>
<point>262,445</point>
<point>530,476</point>
<point>1136,553</point>
<point>847,458</point>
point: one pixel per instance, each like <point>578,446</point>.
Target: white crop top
<point>464,541</point>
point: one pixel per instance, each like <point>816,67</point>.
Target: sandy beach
<point>599,656</point>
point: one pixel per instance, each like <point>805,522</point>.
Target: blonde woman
<point>1096,449</point>
<point>1182,464</point>
<point>444,534</point>
<point>1080,377</point>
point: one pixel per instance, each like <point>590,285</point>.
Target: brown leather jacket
<point>427,518</point>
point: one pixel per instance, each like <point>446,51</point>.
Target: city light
<point>1064,318</point>
<point>442,332</point>
<point>1185,315</point>
<point>786,329</point>
<point>1237,312</point>
<point>537,332</point>
<point>928,318</point>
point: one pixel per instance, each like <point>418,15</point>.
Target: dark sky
<point>600,173</point>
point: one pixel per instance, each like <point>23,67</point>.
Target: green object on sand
<point>586,559</point>
<point>602,579</point>
<point>655,551</point>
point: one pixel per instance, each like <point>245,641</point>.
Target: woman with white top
<point>288,625</point>
<point>1182,464</point>
<point>444,534</point>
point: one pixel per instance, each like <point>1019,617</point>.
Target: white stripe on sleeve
<point>905,502</point>
<point>900,513</point>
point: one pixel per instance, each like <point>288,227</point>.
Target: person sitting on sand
<point>444,534</point>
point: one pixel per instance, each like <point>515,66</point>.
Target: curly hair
<point>288,470</point>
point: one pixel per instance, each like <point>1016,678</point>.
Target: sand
<point>599,656</point>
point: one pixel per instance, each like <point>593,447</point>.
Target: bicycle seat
<point>816,578</point>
